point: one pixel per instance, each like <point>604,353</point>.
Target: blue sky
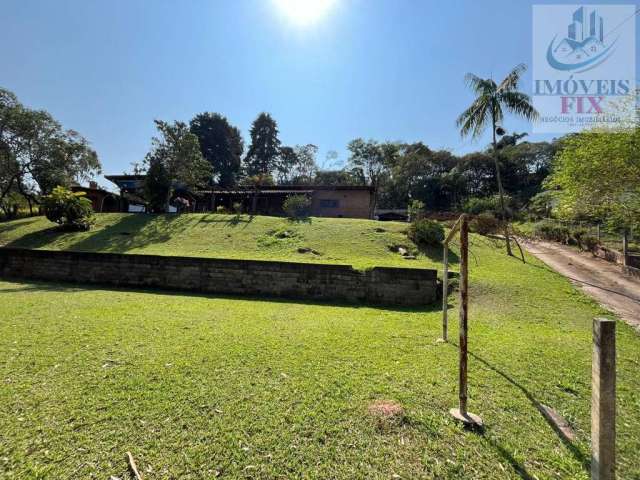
<point>382,69</point>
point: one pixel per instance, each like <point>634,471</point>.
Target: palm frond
<point>518,103</point>
<point>511,81</point>
<point>474,119</point>
<point>479,85</point>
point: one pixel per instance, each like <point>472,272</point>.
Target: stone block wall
<point>380,285</point>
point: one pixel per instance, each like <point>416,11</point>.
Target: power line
<point>622,23</point>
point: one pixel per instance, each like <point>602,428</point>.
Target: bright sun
<point>304,12</point>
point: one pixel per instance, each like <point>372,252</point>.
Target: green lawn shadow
<point>64,286</point>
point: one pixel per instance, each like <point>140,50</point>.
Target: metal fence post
<point>603,400</point>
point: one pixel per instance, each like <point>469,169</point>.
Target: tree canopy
<point>220,144</point>
<point>175,160</point>
<point>264,150</point>
<point>597,175</point>
<point>37,154</point>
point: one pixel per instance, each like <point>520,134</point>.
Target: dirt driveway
<point>598,278</point>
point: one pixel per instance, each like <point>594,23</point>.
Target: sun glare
<point>304,12</point>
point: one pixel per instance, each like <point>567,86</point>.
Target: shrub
<point>297,206</point>
<point>221,209</point>
<point>478,205</point>
<point>583,239</point>
<point>71,210</point>
<point>549,230</point>
<point>541,205</point>
<point>157,187</point>
<point>588,243</point>
<point>416,210</point>
<point>237,208</point>
<point>484,224</point>
<point>426,232</point>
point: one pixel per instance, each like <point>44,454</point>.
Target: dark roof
<point>79,188</point>
<point>125,177</point>
<point>241,189</point>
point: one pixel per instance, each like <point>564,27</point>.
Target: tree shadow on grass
<point>435,254</point>
<point>63,286</point>
<point>234,221</point>
<point>8,226</point>
<point>129,232</point>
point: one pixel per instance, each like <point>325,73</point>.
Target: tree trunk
<point>505,222</point>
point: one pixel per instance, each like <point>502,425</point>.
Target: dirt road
<point>598,278</point>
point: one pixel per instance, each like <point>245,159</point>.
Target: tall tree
<point>176,159</point>
<point>597,174</point>
<point>264,150</point>
<point>221,145</point>
<point>488,109</point>
<point>372,159</point>
<point>36,154</point>
<point>297,165</point>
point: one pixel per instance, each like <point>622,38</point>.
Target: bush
<point>237,208</point>
<point>297,206</point>
<point>583,239</point>
<point>485,224</point>
<point>426,233</point>
<point>478,205</point>
<point>71,210</point>
<point>416,210</point>
<point>222,210</point>
<point>549,230</point>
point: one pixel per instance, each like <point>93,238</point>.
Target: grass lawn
<point>206,387</point>
<point>361,243</point>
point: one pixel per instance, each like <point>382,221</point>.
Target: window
<point>329,203</point>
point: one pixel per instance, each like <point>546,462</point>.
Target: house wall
<point>350,203</point>
<point>391,286</point>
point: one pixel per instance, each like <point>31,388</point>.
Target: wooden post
<point>445,292</point>
<point>625,247</point>
<point>598,232</point>
<point>464,311</point>
<point>603,400</point>
<point>461,413</point>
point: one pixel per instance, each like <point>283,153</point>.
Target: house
<point>326,201</point>
<point>352,201</point>
<point>102,200</point>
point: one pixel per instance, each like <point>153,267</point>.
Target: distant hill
<point>361,243</point>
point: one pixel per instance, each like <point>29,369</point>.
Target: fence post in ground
<point>445,292</point>
<point>625,247</point>
<point>603,400</point>
<point>598,232</point>
<point>461,413</point>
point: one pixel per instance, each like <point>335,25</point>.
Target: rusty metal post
<point>461,413</point>
<point>464,311</point>
<point>603,400</point>
<point>445,292</point>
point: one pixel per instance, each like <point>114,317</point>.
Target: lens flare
<point>304,12</point>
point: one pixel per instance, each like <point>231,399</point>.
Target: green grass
<point>346,241</point>
<point>197,386</point>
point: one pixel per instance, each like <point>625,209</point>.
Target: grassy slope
<point>346,241</point>
<point>256,388</point>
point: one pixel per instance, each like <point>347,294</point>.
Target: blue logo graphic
<point>584,47</point>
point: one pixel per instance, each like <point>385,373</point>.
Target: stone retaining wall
<point>380,285</point>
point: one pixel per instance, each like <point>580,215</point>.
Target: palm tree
<point>487,108</point>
